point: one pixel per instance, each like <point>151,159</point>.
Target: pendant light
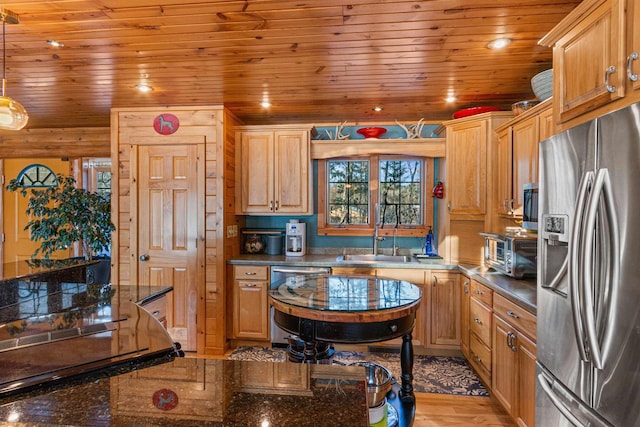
<point>13,116</point>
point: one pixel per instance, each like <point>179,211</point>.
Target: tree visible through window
<point>354,186</point>
<point>400,192</point>
<point>348,192</point>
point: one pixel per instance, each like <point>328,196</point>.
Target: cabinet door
<point>547,125</point>
<point>526,406</point>
<point>525,157</point>
<point>504,197</point>
<point>445,310</point>
<point>582,57</point>
<point>466,168</point>
<point>291,179</point>
<point>251,310</point>
<point>504,364</point>
<point>256,171</point>
<point>464,317</point>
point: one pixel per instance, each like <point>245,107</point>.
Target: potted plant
<point>65,214</point>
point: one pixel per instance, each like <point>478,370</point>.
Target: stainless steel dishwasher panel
<point>280,337</point>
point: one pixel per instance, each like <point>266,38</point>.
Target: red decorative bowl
<point>472,111</point>
<point>372,132</point>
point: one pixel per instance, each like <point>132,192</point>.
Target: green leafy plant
<point>65,214</point>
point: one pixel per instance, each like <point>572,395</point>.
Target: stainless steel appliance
<point>513,255</point>
<point>588,335</point>
<point>530,206</point>
<point>292,274</point>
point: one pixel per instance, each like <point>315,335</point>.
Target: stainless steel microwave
<point>512,255</point>
<point>530,207</point>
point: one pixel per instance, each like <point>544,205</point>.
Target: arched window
<point>37,176</point>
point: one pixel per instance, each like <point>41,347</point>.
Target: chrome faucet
<point>376,224</point>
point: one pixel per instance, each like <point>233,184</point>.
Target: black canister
<point>274,245</point>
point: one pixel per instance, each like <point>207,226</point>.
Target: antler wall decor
<point>413,131</point>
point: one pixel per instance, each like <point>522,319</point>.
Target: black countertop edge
<point>89,374</point>
<point>160,293</point>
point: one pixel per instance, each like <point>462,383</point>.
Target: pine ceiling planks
<point>319,61</point>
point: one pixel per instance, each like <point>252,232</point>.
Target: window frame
<point>325,229</point>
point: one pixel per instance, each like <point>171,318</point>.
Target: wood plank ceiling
<point>316,61</point>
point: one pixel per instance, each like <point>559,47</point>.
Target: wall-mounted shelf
<point>424,147</point>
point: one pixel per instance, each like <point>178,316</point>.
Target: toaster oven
<point>512,255</point>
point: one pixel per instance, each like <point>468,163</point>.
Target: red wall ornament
<point>165,399</point>
<point>438,190</point>
<point>166,124</point>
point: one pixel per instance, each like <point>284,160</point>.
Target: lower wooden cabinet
<point>465,299</point>
<point>250,302</point>
<point>438,317</point>
<point>445,330</point>
<point>479,324</point>
<point>158,309</point>
<point>514,368</point>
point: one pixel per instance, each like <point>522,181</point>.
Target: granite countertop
<point>519,291</point>
<point>25,269</point>
<point>205,392</point>
<point>55,315</point>
<point>329,260</point>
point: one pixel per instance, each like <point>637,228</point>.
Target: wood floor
<point>434,410</point>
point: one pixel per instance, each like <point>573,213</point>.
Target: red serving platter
<point>472,111</point>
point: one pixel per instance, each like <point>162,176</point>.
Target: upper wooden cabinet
<point>469,146</point>
<point>274,175</point>
<point>593,58</point>
<point>515,162</point>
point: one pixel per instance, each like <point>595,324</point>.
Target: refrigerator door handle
<point>602,190</point>
<point>575,263</point>
<point>557,401</point>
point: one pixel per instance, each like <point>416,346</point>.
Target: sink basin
<point>374,258</point>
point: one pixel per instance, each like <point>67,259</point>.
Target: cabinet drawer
<point>481,293</point>
<point>480,358</point>
<point>521,319</point>
<point>251,272</point>
<point>480,320</point>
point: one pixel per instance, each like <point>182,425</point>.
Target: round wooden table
<point>349,309</point>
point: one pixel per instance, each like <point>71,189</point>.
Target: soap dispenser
<point>429,249</point>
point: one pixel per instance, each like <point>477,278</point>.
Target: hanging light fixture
<point>13,116</point>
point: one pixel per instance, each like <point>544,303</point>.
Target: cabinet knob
<point>630,74</point>
<point>512,314</point>
<point>478,292</point>
<point>478,321</point>
<point>250,273</point>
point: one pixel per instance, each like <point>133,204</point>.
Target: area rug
<point>431,374</point>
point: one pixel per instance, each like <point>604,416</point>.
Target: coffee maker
<point>295,237</point>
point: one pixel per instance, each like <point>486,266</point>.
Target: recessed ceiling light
<point>499,43</point>
<point>450,99</point>
<point>377,108</point>
<point>55,43</point>
<point>265,104</point>
<point>144,88</point>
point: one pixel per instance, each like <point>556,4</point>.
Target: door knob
<point>144,257</point>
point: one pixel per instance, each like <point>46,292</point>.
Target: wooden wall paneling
<point>201,125</point>
<point>55,142</point>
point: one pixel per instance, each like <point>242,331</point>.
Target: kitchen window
<point>350,188</point>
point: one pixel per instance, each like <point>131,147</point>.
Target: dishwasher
<point>280,337</point>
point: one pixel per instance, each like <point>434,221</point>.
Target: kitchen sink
<point>374,258</point>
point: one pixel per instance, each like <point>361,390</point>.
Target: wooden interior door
<point>167,223</point>
<point>17,243</point>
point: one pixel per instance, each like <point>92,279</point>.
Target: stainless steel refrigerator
<point>588,338</point>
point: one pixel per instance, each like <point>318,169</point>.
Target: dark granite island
<point>205,392</point>
<point>54,327</point>
<point>78,354</point>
